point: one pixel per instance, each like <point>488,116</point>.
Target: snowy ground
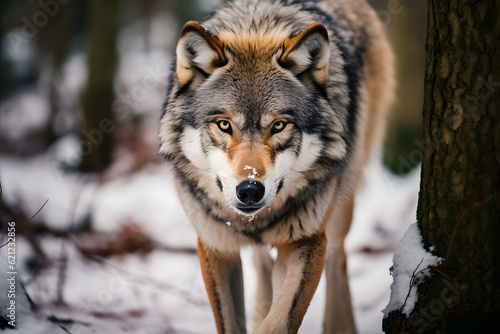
<point>159,288</point>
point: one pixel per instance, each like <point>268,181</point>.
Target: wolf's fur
<point>325,69</point>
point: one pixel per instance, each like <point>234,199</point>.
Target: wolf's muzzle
<point>250,194</point>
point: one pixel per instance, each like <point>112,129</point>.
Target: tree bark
<point>98,120</point>
<point>459,198</point>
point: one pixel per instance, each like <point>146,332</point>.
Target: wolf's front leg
<point>224,283</point>
<point>264,266</point>
<point>339,317</point>
<point>296,275</point>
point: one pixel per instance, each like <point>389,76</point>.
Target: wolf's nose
<point>250,192</point>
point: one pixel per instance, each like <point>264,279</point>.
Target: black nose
<point>250,192</point>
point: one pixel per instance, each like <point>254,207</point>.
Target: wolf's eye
<point>278,127</point>
<point>225,126</point>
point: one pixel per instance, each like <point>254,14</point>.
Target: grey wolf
<point>273,109</point>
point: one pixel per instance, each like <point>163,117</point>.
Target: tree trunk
<point>98,120</point>
<point>459,199</point>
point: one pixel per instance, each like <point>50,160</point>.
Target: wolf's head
<point>253,118</point>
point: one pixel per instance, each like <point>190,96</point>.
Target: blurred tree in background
<point>97,116</point>
<point>406,27</point>
<point>405,21</point>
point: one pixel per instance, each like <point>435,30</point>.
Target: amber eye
<point>278,127</point>
<point>225,126</point>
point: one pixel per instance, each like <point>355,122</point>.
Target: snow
<point>147,198</point>
<point>22,114</point>
<point>32,181</point>
<point>409,257</point>
<point>18,52</point>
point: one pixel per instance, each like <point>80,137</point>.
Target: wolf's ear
<point>198,51</point>
<point>308,51</point>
